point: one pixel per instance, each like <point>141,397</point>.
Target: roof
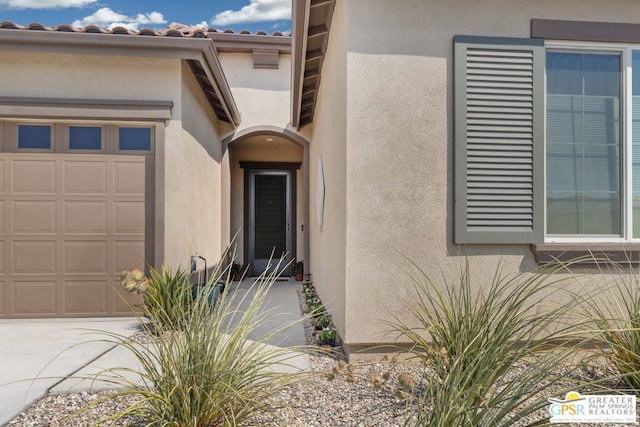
<point>197,45</point>
<point>175,29</point>
<point>311,23</point>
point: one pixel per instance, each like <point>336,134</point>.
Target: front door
<point>270,233</point>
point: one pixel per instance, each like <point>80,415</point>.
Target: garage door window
<point>134,139</point>
<point>85,138</point>
<point>34,137</point>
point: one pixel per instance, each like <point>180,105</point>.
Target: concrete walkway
<point>40,356</point>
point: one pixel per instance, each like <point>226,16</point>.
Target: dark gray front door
<point>269,219</point>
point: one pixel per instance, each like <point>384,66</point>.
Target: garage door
<point>68,225</point>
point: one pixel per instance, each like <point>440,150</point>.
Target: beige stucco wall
<point>397,141</point>
<point>193,178</point>
<point>54,75</point>
<point>329,139</point>
<point>262,95</point>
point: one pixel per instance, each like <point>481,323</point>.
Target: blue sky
<point>253,15</point>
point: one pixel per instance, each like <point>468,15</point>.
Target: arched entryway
<point>269,188</point>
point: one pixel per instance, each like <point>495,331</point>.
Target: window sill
<point>588,253</point>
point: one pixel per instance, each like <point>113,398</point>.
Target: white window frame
<point>625,52</point>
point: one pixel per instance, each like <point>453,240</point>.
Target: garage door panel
<point>2,298</point>
<point>124,302</point>
<point>87,178</point>
<point>34,217</point>
<point>31,257</point>
<point>85,257</point>
<point>69,224</point>
<point>33,176</point>
<point>129,217</point>
<point>2,216</point>
<point>128,178</point>
<point>85,217</point>
<point>3,167</point>
<point>2,256</point>
<point>34,298</point>
<point>85,297</point>
<point>128,255</point>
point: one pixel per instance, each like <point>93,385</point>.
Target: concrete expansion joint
<point>81,367</point>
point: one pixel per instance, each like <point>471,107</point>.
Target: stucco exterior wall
<point>329,141</point>
<point>262,95</point>
<point>193,178</point>
<point>399,183</point>
<point>57,75</point>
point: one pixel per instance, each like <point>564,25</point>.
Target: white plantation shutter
<point>499,137</point>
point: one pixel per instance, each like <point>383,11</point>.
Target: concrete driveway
<point>40,356</point>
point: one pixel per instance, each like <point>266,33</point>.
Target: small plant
<point>327,337</point>
<point>166,294</point>
<point>308,288</point>
<point>168,299</point>
<point>298,267</point>
<point>237,271</point>
<point>316,308</point>
<point>322,322</point>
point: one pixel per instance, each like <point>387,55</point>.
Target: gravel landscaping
<point>349,399</point>
<point>334,394</point>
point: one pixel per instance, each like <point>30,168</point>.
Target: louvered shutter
<point>499,137</point>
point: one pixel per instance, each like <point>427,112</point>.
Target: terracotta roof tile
<point>173,30</point>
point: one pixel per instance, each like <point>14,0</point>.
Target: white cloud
<point>256,11</point>
<point>44,4</point>
<point>107,18</point>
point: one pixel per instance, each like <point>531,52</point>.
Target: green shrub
<point>210,370</point>
<point>323,321</point>
<point>479,344</point>
<point>168,298</point>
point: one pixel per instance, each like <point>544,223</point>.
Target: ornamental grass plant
<point>204,365</point>
<point>491,351</point>
<point>615,317</point>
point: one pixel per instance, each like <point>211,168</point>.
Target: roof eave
<point>198,49</point>
<point>311,21</point>
<point>245,43</point>
<point>300,23</point>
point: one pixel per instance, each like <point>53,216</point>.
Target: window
<point>583,144</point>
<point>547,141</point>
<point>77,137</point>
<point>134,139</point>
<point>34,137</point>
<point>85,138</point>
